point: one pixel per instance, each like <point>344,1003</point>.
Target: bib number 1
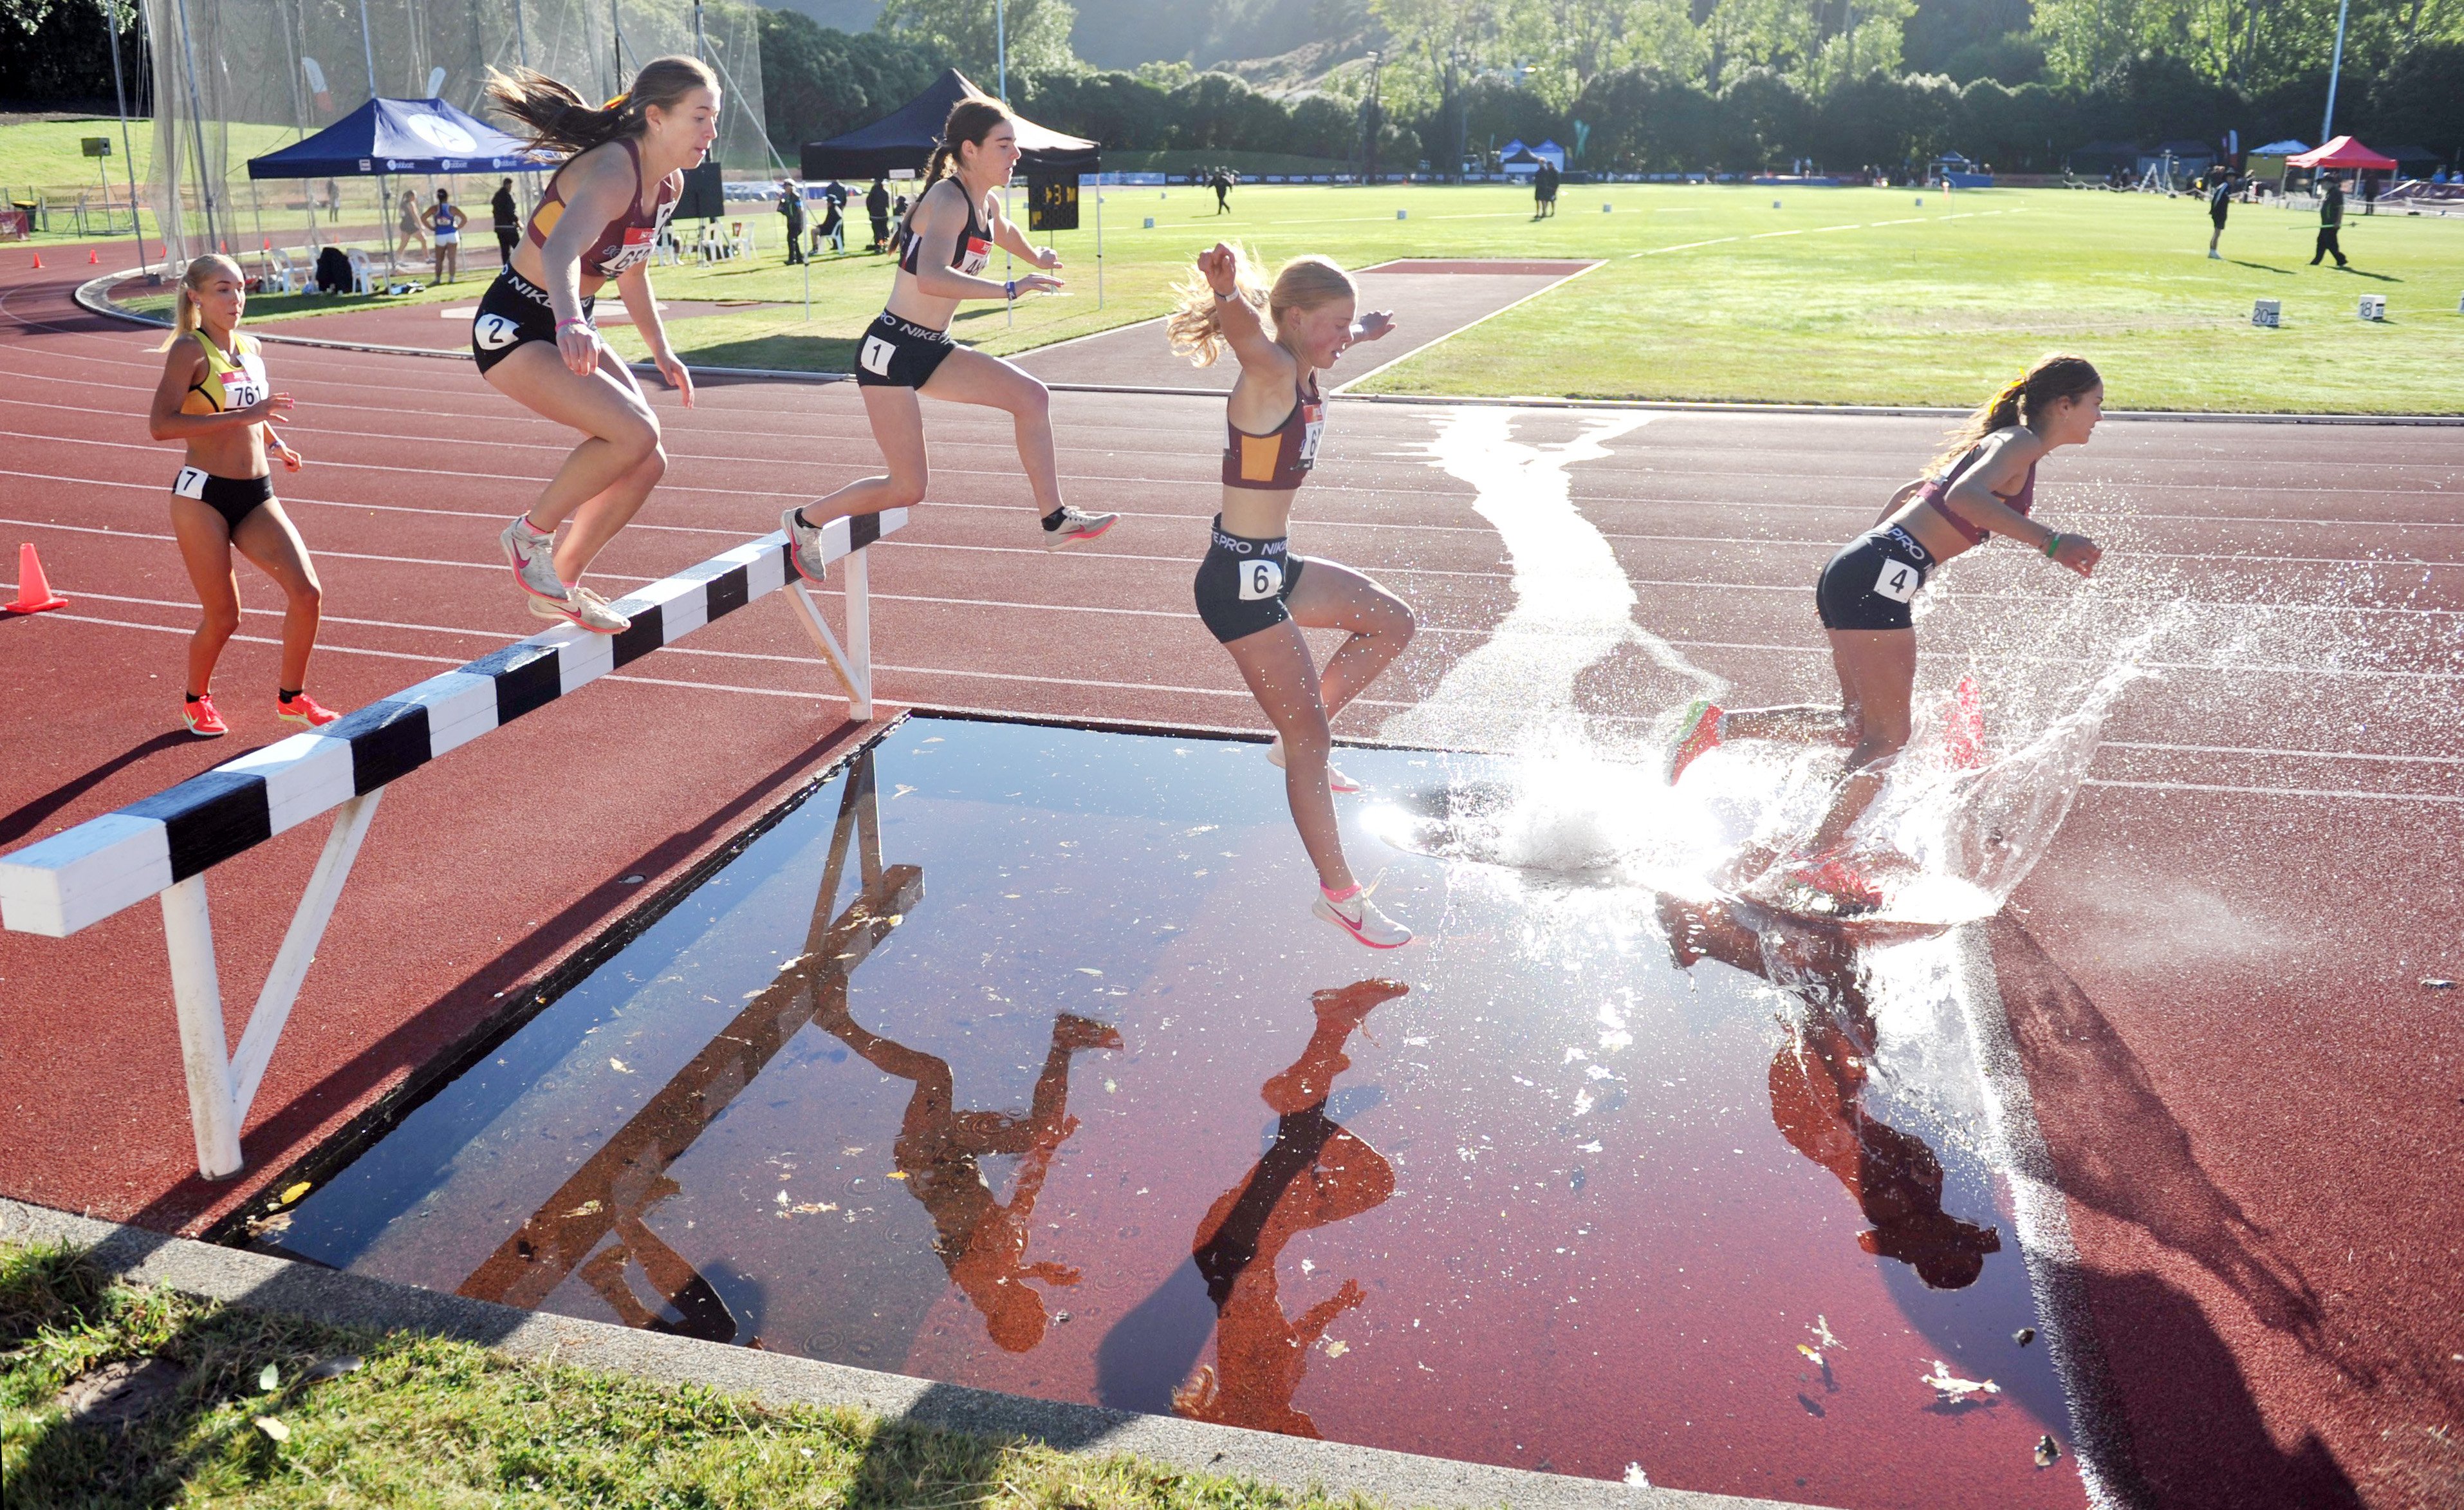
<point>876,356</point>
<point>1899,581</point>
<point>1261,580</point>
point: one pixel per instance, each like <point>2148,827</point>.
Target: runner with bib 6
<point>1983,484</point>
<point>1252,594</point>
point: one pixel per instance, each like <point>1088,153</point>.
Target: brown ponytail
<point>2020,401</point>
<point>971,120</point>
<point>556,119</point>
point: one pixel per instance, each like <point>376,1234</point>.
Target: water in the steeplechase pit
<point>1012,1057</point>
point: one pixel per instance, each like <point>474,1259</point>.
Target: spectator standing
<point>447,220</point>
<point>2220,187</point>
<point>333,200</point>
<point>877,209</point>
<point>1549,178</point>
<point>791,203</point>
<point>508,218</point>
<point>2331,220</point>
<point>407,218</point>
<point>1221,183</point>
<point>833,228</point>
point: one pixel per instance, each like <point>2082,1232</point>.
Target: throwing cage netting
<point>238,78</point>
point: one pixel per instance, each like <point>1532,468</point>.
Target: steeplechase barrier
<point>164,845</point>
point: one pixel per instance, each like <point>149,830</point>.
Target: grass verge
<point>422,1421</point>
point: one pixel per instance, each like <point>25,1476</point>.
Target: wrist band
<point>1009,289</point>
<point>1225,298</point>
<point>563,326</point>
<point>2053,544</point>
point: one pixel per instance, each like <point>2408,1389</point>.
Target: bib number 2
<point>1261,580</point>
<point>1899,581</point>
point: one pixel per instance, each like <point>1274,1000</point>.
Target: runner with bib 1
<point>1984,485</point>
<point>1253,594</point>
<point>945,244</point>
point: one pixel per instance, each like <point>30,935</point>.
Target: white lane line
<point>1428,346</point>
<point>1681,246</point>
<point>2276,754</point>
<point>2281,791</point>
<point>336,555</point>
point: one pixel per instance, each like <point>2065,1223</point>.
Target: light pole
<point>1369,121</point>
<point>1000,50</point>
<point>2335,70</point>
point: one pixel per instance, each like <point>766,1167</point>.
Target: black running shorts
<point>1242,584</point>
<point>896,353</point>
<point>512,311</point>
<point>234,499</point>
<point>1869,585</point>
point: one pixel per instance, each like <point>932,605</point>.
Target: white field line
<point>1429,346</point>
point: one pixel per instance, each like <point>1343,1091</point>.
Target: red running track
<point>2254,1109</point>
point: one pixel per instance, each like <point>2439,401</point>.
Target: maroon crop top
<point>1932,494</point>
<point>1280,460</point>
<point>624,242</point>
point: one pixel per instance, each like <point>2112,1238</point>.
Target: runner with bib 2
<point>1984,485</point>
<point>943,246</point>
<point>599,219</point>
<point>1255,595</point>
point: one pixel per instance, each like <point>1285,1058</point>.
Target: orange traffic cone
<point>93,257</point>
<point>38,259</point>
<point>33,593</point>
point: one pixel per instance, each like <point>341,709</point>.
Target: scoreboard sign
<point>1052,203</point>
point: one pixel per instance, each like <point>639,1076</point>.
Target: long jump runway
<point>2249,1101</point>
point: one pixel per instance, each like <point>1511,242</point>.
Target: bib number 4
<point>1899,581</point>
<point>1261,580</point>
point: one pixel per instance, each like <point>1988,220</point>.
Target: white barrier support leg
<point>196,991</point>
<point>859,617</point>
<point>299,949</point>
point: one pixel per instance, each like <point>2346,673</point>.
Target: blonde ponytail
<point>183,319</point>
<point>2019,401</point>
<point>1195,327</point>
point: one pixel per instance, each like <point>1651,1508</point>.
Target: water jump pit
<point>1009,1055</point>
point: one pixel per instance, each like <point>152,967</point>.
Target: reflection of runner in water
<point>1818,1082</point>
<point>700,1312</point>
<point>982,1242</point>
<point>1315,1175</point>
<point>1984,485</point>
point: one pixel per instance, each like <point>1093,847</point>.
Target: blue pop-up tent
<point>402,136</point>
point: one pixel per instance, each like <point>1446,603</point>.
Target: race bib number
<point>1312,423</point>
<point>979,253</point>
<point>639,241</point>
<point>877,355</point>
<point>190,483</point>
<point>1261,580</point>
<point>244,386</point>
<point>495,332</point>
<point>1899,581</point>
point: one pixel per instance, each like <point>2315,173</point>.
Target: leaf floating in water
<point>292,1192</point>
<point>1089,969</point>
<point>273,1427</point>
<point>898,1174</point>
<point>781,1198</point>
<point>620,1066</point>
<point>1951,1386</point>
<point>1636,1477</point>
<point>269,1379</point>
<point>1338,1349</point>
<point>2024,1336</point>
<point>2047,1449</point>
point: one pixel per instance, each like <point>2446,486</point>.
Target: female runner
<point>943,244</point>
<point>216,397</point>
<point>1985,483</point>
<point>599,218</point>
<point>1252,594</point>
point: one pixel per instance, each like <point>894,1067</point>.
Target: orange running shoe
<point>203,720</point>
<point>304,709</point>
<point>1696,731</point>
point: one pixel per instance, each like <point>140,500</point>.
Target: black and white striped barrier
<point>164,845</point>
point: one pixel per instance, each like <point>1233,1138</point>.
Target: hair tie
<point>618,103</point>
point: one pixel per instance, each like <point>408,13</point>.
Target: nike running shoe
<point>1698,731</point>
<point>1358,915</point>
<point>805,543</point>
<point>1335,780</point>
<point>532,554</point>
<point>304,709</point>
<point>585,607</point>
<point>203,720</point>
<point>1076,526</point>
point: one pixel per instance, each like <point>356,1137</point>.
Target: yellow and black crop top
<point>234,379</point>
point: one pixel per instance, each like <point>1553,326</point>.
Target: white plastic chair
<point>365,277</point>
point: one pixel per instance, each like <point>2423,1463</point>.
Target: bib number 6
<point>1261,580</point>
<point>1899,581</point>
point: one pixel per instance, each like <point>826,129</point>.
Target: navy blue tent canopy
<point>403,136</point>
<point>905,138</point>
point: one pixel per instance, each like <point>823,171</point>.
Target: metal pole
<point>1000,50</point>
<point>1099,239</point>
<point>127,153</point>
<point>369,47</point>
<point>522,35</point>
<point>384,184</point>
<point>197,124</point>
<point>2334,71</point>
<point>697,36</point>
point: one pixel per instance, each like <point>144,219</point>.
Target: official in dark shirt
<point>509,222</point>
<point>791,203</point>
<point>876,206</point>
<point>2331,220</point>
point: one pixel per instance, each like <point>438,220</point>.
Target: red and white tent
<point>2342,153</point>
